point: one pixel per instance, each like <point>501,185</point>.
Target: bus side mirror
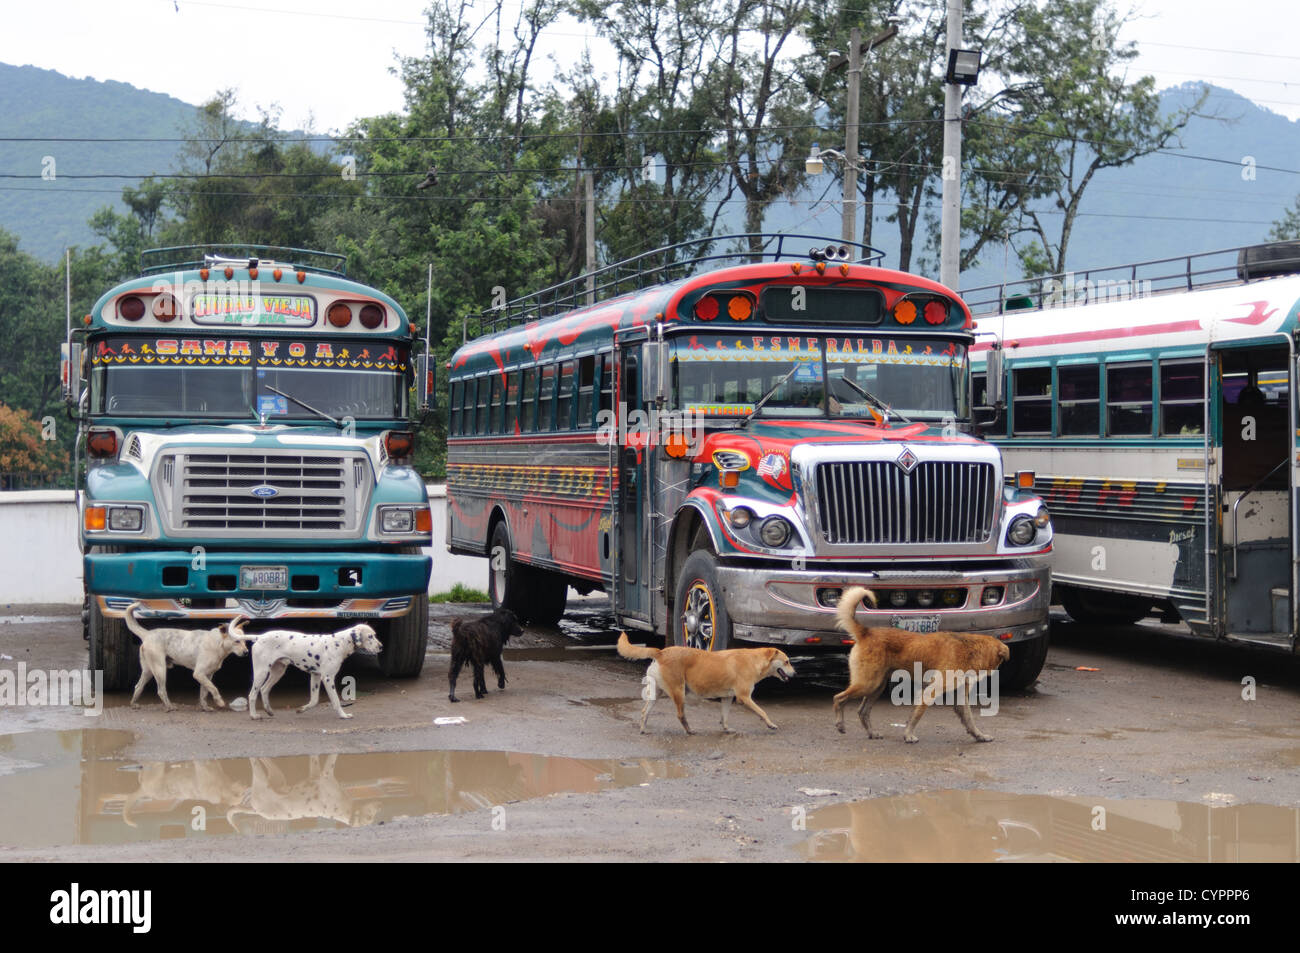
<point>993,380</point>
<point>654,377</point>
<point>70,372</point>
<point>428,388</point>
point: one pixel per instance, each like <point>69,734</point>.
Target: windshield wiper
<point>768,395</point>
<point>302,403</point>
<point>880,404</point>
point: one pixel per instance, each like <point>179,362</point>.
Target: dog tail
<point>129,617</point>
<point>848,606</point>
<point>628,650</point>
<point>235,628</point>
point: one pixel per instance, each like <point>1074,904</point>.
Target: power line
<point>655,201</point>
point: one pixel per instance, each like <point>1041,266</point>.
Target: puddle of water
<point>983,826</point>
<point>76,787</point>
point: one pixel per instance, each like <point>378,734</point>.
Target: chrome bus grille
<point>312,493</point>
<point>876,502</point>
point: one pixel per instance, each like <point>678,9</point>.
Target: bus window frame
<point>1049,398</point>
<point>1190,361</point>
<point>1070,365</point>
<point>1125,363</point>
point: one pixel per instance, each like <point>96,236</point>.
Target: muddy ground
<point>553,767</point>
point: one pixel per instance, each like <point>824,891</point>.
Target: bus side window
<point>467,409</point>
<point>546,397</point>
<point>564,398</point>
<point>1128,399</point>
<point>606,369</point>
<point>453,407</point>
<point>528,403</point>
<point>1032,401</point>
<point>1079,400</point>
<point>498,405</point>
<point>1182,398</point>
<point>586,388</point>
<point>481,417</point>
<point>512,402</point>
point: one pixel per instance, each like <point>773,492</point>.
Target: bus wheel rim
<point>697,619</point>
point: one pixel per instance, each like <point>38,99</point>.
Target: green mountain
<point>1192,199</point>
<point>49,214</point>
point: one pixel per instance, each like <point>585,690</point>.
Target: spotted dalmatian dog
<point>319,654</point>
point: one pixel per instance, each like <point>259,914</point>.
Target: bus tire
<point>1022,669</point>
<point>548,595</point>
<point>700,617</point>
<point>509,582</point>
<point>405,640</point>
<point>113,649</point>
<point>1111,608</point>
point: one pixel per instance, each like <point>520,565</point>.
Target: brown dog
<point>963,658</point>
<point>726,674</point>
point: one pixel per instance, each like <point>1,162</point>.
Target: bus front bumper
<point>318,584</point>
<point>787,607</point>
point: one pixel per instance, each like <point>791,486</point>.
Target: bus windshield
<point>835,375</point>
<point>247,390</point>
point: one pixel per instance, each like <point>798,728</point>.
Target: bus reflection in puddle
<point>122,800</point>
<point>983,826</point>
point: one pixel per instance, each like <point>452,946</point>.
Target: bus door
<point>1256,563</point>
<point>631,590</point>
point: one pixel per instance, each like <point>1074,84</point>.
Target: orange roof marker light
<point>740,308</point>
<point>905,312</point>
<point>277,274</point>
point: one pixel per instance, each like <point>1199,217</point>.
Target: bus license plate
<point>264,578</point>
<point>919,623</point>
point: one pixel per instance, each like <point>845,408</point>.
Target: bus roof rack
<point>1226,266</point>
<point>183,257</point>
<point>666,264</point>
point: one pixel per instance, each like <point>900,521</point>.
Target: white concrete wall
<point>40,561</point>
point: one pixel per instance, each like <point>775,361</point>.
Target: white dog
<point>200,650</point>
<point>320,654</point>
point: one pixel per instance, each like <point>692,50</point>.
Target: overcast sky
<point>328,61</point>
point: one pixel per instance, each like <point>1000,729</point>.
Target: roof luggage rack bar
<point>1225,266</point>
<point>660,266</point>
<point>185,257</point>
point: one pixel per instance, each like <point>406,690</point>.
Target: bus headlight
<point>396,519</point>
<point>774,532</point>
<point>1022,531</point>
<point>740,517</point>
<point>125,519</point>
<point>405,520</point>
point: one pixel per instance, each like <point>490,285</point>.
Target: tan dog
<point>963,658</point>
<point>726,674</point>
<point>200,650</point>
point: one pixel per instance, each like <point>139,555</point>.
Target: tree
<point>27,457</point>
<point>1288,226</point>
<point>1068,112</point>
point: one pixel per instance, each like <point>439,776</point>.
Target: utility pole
<point>950,219</point>
<point>848,228</point>
<point>589,181</point>
<point>852,107</point>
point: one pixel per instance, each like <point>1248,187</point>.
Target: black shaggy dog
<point>479,642</point>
